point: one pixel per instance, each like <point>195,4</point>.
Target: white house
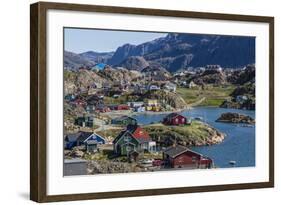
<point>170,87</point>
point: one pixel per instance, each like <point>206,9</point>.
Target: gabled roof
<point>84,135</point>
<point>174,115</point>
<point>124,117</point>
<point>136,132</point>
<point>72,137</point>
<point>174,151</point>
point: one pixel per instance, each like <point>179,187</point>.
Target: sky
<point>82,40</point>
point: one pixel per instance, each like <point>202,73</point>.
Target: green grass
<point>110,132</point>
<point>214,95</point>
<point>196,132</point>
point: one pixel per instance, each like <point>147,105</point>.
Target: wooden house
<point>153,87</point>
<point>133,140</point>
<point>119,107</point>
<point>153,105</point>
<point>170,87</point>
<point>175,119</point>
<point>84,121</point>
<point>178,156</point>
<point>102,108</point>
<point>95,100</point>
<point>124,120</point>
<point>135,104</point>
<point>90,140</point>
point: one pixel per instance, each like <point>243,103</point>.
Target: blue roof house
<point>90,140</point>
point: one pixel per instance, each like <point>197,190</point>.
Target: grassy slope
<point>197,131</point>
<point>214,95</point>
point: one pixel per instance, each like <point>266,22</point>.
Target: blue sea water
<point>238,146</point>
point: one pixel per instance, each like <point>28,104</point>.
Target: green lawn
<point>196,133</point>
<point>214,95</point>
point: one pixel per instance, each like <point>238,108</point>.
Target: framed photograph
<point>135,102</point>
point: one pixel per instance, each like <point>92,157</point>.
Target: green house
<point>124,120</point>
<point>133,140</point>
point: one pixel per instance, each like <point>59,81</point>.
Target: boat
<point>198,118</point>
<point>232,162</point>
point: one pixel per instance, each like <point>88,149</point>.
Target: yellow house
<point>153,105</point>
<point>152,102</point>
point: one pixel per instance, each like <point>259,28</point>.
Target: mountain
<point>174,52</point>
<point>134,63</point>
<point>73,61</point>
<point>179,51</point>
<point>97,56</point>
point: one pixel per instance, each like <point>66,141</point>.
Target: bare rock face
<point>135,63</point>
<point>235,118</point>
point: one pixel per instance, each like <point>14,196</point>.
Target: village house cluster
<point>111,105</point>
<point>134,141</point>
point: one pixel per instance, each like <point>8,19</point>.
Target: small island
<point>230,117</point>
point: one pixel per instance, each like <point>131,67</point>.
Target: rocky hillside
<point>134,63</point>
<point>210,77</point>
<point>241,77</point>
<point>73,61</point>
<point>169,98</point>
<point>83,79</point>
<point>97,57</point>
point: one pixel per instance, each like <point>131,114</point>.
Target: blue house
<point>90,140</point>
<point>99,66</point>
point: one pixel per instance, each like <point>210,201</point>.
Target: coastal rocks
<point>105,167</point>
<point>235,118</point>
<point>74,153</point>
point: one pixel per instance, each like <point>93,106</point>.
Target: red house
<point>175,119</point>
<point>102,108</point>
<point>179,156</point>
<point>120,107</point>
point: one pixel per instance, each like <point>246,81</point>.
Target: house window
<point>182,120</point>
<point>176,120</point>
<point>194,159</point>
<point>128,148</point>
<point>127,138</point>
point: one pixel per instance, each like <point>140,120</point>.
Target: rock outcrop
<point>230,117</point>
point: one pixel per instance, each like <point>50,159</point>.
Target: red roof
<point>138,133</point>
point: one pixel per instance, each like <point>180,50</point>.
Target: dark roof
<point>84,135</point>
<point>132,128</point>
<point>174,151</point>
<point>173,115</point>
<point>124,117</point>
<point>120,135</point>
<point>72,137</point>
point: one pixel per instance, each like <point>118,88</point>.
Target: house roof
<point>72,137</point>
<point>173,115</point>
<point>84,135</point>
<point>136,132</point>
<point>124,117</point>
<point>174,151</point>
